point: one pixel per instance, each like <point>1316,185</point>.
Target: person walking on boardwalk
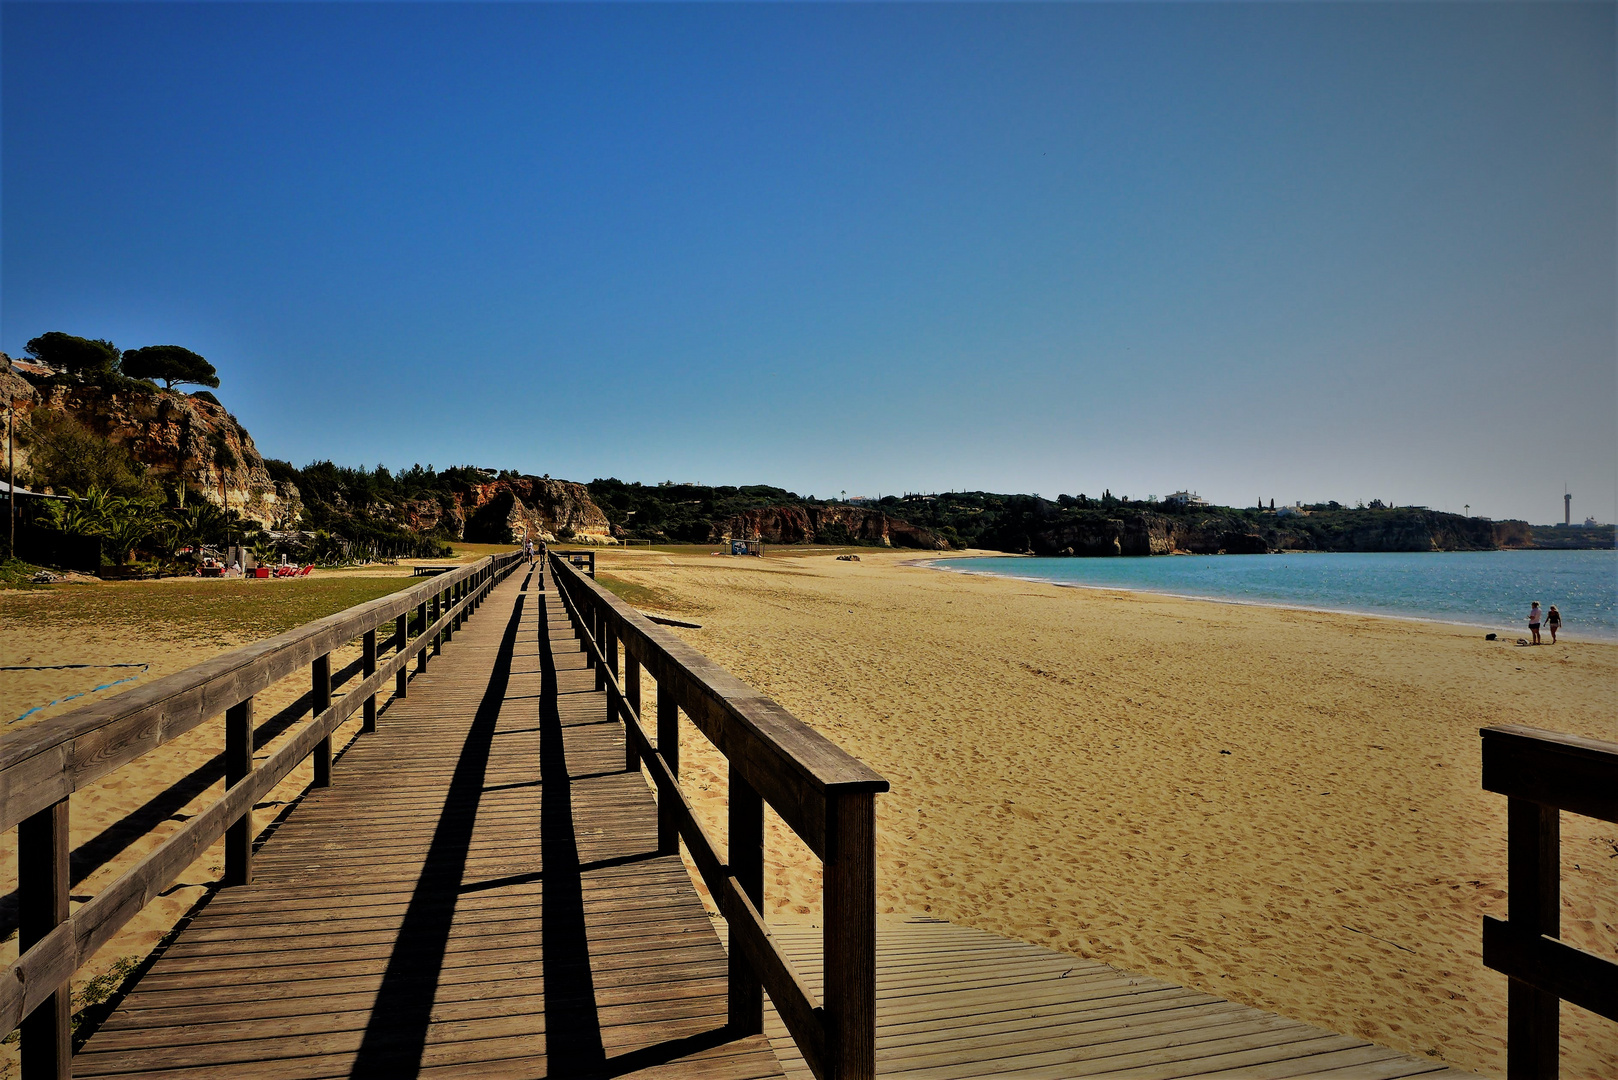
<point>1553,622</point>
<point>1533,621</point>
<point>528,549</point>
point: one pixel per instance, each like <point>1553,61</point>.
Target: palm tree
<point>129,523</point>
<point>223,458</point>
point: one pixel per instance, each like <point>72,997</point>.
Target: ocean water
<point>1478,588</point>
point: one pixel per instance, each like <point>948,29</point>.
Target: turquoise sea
<point>1478,588</point>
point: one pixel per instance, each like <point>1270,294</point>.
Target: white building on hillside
<point>1185,498</point>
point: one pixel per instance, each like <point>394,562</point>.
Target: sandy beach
<point>1276,806</point>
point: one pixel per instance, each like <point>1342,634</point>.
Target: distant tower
<point>1567,507</point>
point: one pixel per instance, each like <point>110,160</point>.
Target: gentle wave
<point>1490,589</point>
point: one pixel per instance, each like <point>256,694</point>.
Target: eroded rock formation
<point>181,440</point>
<point>503,511</point>
<point>826,524</point>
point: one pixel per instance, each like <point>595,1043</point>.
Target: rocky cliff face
<point>506,510</point>
<point>826,524</point>
<point>180,439</point>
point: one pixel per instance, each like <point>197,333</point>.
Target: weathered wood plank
<point>458,903</point>
<point>950,1003</point>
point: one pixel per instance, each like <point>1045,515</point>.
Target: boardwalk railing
<point>42,765</point>
<point>1544,773</point>
<point>825,795</point>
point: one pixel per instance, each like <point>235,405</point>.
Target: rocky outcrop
<point>506,510</point>
<point>181,440</point>
<point>826,525</point>
<point>1148,533</point>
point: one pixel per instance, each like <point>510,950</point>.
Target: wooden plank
<point>1569,772</point>
<point>320,695</point>
<point>950,1003</point>
<point>850,933</point>
<point>1554,971</point>
<point>42,888</point>
<point>238,767</point>
<point>448,907</point>
<point>745,846</point>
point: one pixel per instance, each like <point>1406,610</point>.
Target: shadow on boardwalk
<point>477,894</point>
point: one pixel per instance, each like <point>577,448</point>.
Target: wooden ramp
<point>954,1002</point>
<point>476,895</point>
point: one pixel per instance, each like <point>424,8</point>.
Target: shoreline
<point>1585,637</point>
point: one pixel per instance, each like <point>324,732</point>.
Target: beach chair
<point>306,570</point>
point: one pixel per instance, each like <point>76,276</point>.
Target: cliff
<point>826,525</point>
<point>180,440</point>
<point>463,503</point>
<point>1099,533</point>
<point>508,509</point>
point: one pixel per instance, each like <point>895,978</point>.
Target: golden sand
<point>1278,807</point>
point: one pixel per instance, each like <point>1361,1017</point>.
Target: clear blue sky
<point>1289,251</point>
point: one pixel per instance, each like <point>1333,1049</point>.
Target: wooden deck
<point>476,895</point>
<point>953,1002</point>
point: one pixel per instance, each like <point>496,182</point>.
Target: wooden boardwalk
<point>953,1002</point>
<point>476,895</point>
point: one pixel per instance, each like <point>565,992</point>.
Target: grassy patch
<point>15,574</point>
<point>638,595</point>
<point>204,607</point>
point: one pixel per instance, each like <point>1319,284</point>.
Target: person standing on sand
<point>1553,622</point>
<point>1533,621</point>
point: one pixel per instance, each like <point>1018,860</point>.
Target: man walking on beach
<point>1533,621</point>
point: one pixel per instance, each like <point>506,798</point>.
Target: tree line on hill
<point>1069,524</point>
<point>98,361</point>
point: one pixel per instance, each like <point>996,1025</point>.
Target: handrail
<point>49,760</point>
<point>1543,773</point>
<point>823,793</point>
<point>40,769</point>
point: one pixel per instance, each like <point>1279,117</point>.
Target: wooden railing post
<point>849,938</point>
<point>1534,888</point>
<point>668,747</point>
<point>608,644</point>
<point>401,638</point>
<point>320,687</point>
<point>238,767</point>
<point>367,669</point>
<point>421,616</point>
<point>746,843</point>
<point>583,625</point>
<point>438,638</point>
<point>42,895</point>
<point>632,695</point>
